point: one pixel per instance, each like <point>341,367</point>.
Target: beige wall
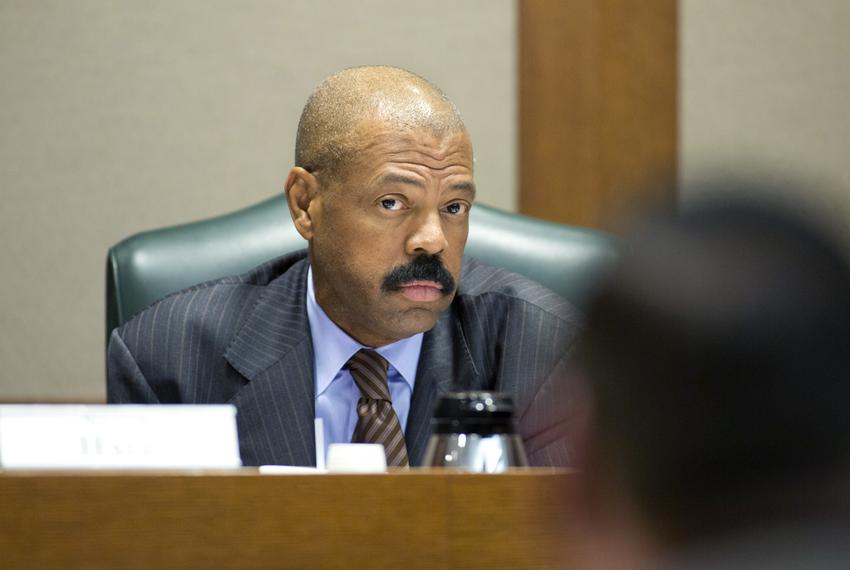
<point>765,89</point>
<point>121,116</point>
<point>117,117</point>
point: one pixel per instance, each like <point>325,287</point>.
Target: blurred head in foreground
<point>717,360</point>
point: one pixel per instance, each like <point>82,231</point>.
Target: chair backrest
<point>150,265</point>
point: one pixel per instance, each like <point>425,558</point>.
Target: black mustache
<point>422,268</point>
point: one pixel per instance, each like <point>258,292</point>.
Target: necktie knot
<point>369,370</point>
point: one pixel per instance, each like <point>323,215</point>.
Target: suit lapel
<point>273,351</point>
<point>444,362</point>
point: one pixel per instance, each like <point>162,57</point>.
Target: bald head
<point>330,130</point>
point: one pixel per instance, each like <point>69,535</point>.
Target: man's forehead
<point>416,108</point>
<point>388,137</point>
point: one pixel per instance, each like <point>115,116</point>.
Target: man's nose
<point>427,236</point>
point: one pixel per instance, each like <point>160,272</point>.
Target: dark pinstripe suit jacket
<point>246,340</point>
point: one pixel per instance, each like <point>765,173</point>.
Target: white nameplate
<point>118,437</point>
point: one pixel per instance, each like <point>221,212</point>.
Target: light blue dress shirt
<point>336,392</point>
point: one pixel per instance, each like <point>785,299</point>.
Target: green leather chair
<point>152,264</point>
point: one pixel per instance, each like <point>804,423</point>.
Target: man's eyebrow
<point>466,186</point>
<point>393,178</point>
<point>396,178</point>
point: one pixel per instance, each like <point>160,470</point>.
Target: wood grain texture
<point>598,92</point>
<point>408,520</point>
<point>509,514</point>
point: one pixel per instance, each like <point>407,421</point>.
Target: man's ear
<point>302,190</point>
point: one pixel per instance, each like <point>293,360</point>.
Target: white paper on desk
<point>289,470</point>
<point>320,443</point>
<point>118,437</point>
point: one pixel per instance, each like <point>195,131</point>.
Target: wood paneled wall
<point>598,107</point>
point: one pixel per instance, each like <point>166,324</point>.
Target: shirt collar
<point>332,347</point>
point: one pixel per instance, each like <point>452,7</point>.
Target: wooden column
<point>598,84</point>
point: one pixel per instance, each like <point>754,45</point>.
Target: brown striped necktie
<point>377,421</point>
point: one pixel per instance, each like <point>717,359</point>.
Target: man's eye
<point>391,204</point>
<point>457,208</point>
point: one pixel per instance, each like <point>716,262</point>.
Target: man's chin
<point>418,319</point>
<point>408,317</point>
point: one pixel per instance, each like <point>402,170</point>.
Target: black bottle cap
<point>482,413</point>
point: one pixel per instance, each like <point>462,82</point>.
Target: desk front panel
<point>417,519</point>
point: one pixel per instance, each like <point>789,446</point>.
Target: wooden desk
<point>419,519</point>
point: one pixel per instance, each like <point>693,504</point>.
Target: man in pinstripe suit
<point>381,190</point>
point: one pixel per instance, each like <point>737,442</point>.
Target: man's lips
<point>422,291</point>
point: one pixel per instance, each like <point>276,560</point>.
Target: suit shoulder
<point>225,298</point>
<point>482,283</point>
